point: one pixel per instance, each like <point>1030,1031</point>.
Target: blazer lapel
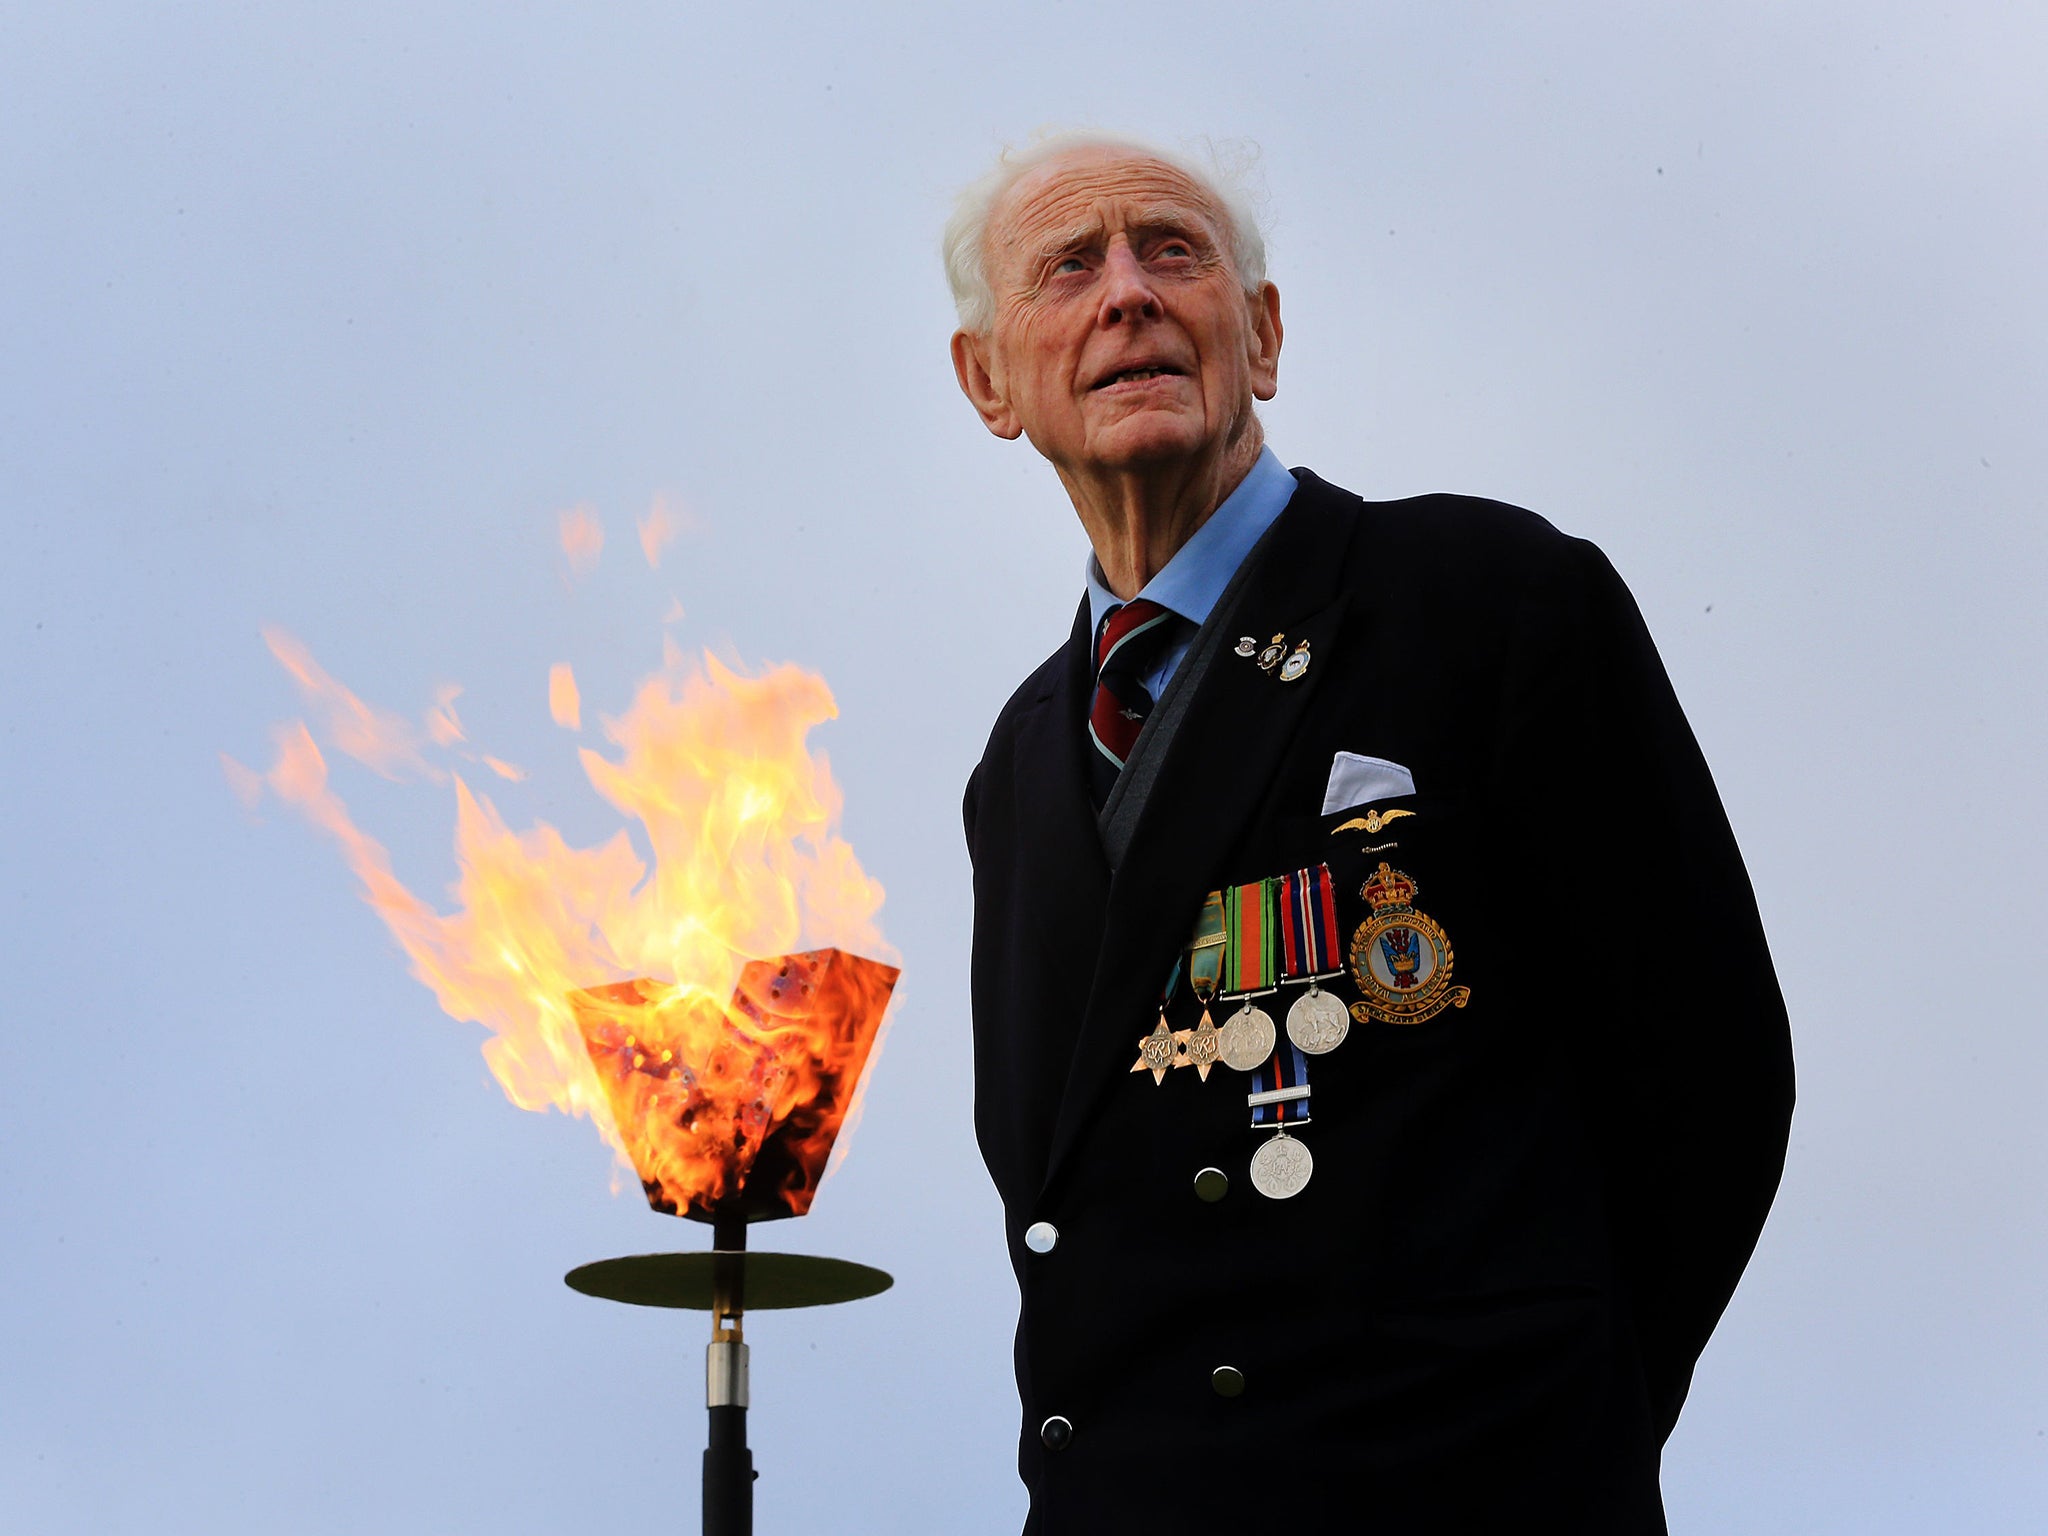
<point>1214,778</point>
<point>1059,891</point>
<point>1052,771</point>
<point>1053,754</point>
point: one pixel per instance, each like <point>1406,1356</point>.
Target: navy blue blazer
<point>1526,1213</point>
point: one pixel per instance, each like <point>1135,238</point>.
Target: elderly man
<point>1376,1047</point>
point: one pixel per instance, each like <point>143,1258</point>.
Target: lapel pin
<point>1269,658</point>
<point>1247,646</point>
<point>1296,664</point>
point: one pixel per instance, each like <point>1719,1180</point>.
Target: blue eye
<point>1070,264</point>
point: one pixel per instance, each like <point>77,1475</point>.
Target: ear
<point>978,384</point>
<point>1265,340</point>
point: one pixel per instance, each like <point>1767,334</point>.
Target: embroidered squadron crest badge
<point>1400,959</point>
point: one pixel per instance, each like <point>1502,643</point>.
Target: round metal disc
<point>1281,1168</point>
<point>1318,1022</point>
<point>773,1280</point>
<point>1247,1039</point>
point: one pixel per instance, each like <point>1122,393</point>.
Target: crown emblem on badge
<point>1387,889</point>
<point>1401,958</point>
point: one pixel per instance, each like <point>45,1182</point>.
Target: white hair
<point>1227,181</point>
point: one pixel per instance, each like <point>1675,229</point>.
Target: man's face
<point>1122,335</point>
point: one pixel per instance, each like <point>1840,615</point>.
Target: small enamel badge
<point>1269,657</point>
<point>1247,646</point>
<point>1400,959</point>
<point>1296,664</point>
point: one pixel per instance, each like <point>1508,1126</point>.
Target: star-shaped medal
<point>1158,1051</point>
<point>1200,1051</point>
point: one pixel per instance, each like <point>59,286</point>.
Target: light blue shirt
<point>1192,581</point>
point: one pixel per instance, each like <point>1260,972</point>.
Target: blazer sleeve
<point>1686,1062</point>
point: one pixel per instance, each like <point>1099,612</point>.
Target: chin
<point>1149,439</point>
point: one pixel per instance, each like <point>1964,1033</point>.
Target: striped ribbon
<point>1308,923</point>
<point>1283,1083</point>
<point>1205,949</point>
<point>1252,953</point>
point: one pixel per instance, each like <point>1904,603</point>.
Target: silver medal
<point>1318,1022</point>
<point>1281,1168</point>
<point>1246,1040</point>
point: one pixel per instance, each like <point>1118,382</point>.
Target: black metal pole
<point>728,1464</point>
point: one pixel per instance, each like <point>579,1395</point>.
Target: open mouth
<point>1139,375</point>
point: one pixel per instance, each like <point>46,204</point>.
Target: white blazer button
<point>1041,1236</point>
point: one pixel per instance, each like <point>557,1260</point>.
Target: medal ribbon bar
<point>1276,1096</point>
<point>1280,1091</point>
<point>1308,924</point>
<point>1172,986</point>
<point>1251,957</point>
<point>1206,949</point>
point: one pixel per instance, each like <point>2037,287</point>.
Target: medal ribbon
<point>1205,950</point>
<point>1308,917</point>
<point>1288,1069</point>
<point>1252,953</point>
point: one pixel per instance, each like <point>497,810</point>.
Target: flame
<point>663,997</point>
<point>565,703</point>
<point>582,538</point>
<point>375,738</point>
<point>443,724</point>
<point>710,1118</point>
<point>659,528</point>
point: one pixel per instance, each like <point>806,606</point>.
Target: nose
<point>1127,292</point>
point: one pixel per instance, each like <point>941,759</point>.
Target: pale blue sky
<point>318,317</point>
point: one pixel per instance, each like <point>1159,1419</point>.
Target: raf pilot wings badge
<point>1371,821</point>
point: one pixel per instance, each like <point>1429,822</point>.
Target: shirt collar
<point>1192,581</point>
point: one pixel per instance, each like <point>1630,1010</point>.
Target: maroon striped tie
<point>1133,639</point>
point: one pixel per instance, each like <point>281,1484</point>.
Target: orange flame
<point>443,724</point>
<point>375,738</point>
<point>582,538</point>
<point>663,523</point>
<point>643,993</point>
<point>565,703</point>
<point>736,1107</point>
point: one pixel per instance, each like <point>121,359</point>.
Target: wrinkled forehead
<point>1091,192</point>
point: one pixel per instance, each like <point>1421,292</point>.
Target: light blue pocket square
<point>1356,778</point>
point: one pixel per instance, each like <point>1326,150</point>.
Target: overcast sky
<point>319,317</point>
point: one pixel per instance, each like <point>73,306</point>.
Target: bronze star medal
<point>1202,1047</point>
<point>1162,1050</point>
